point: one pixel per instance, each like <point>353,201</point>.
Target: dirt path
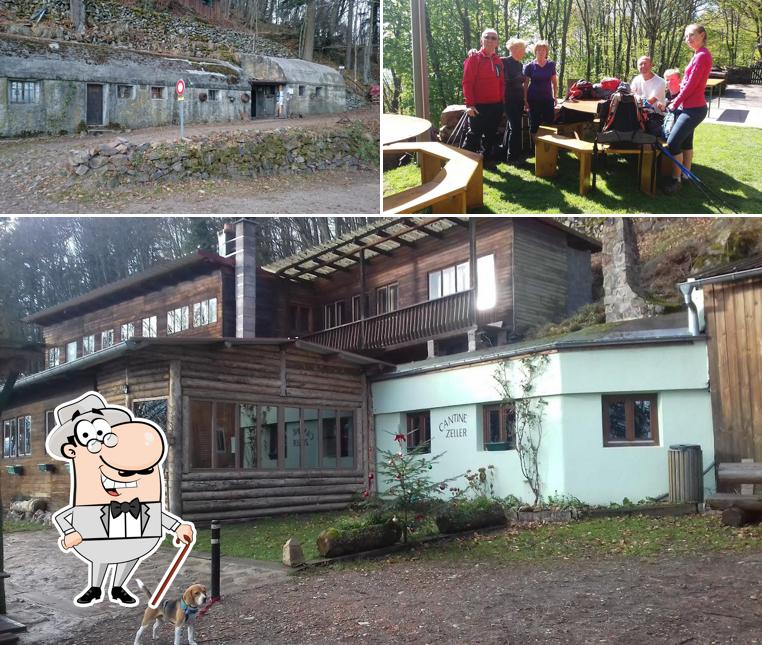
<point>670,600</point>
<point>32,179</point>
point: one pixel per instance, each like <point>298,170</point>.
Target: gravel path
<point>32,179</point>
<point>670,600</point>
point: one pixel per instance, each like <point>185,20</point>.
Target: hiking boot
<point>672,186</point>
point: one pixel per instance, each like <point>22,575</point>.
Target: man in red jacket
<point>483,87</point>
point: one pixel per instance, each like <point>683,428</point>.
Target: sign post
<point>180,89</point>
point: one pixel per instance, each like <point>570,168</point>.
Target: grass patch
<point>725,160</point>
<point>632,536</point>
<point>22,526</point>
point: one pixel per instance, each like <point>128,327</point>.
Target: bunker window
<point>318,91</point>
<point>125,91</point>
<point>500,427</point>
<point>24,91</point>
<point>157,92</point>
<point>630,420</point>
<point>419,432</point>
<point>301,90</point>
<point>214,95</point>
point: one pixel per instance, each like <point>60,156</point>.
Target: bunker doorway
<point>263,97</point>
<point>94,104</point>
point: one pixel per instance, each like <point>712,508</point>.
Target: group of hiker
<point>495,85</point>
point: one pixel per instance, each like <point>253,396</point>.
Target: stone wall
<point>621,271</point>
<point>243,154</point>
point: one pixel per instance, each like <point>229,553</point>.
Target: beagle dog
<point>181,612</point>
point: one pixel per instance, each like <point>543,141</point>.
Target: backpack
<point>580,89</point>
<point>622,119</point>
<point>601,93</point>
<point>610,83</point>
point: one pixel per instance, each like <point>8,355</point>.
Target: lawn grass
<point>22,526</point>
<point>727,159</point>
<point>631,536</point>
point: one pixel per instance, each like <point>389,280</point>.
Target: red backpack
<point>610,83</point>
<point>581,89</point>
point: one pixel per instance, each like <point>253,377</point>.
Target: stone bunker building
<point>54,87</point>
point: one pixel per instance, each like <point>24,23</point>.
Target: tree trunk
<point>349,34</point>
<point>309,30</point>
<point>77,9</point>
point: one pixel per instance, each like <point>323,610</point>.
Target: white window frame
<point>54,356</point>
<point>107,338</point>
<point>149,327</point>
<point>127,330</point>
<point>21,92</point>
<point>205,312</point>
<point>26,432</point>
<point>449,280</point>
<point>177,320</point>
<point>69,347</point>
<point>88,345</point>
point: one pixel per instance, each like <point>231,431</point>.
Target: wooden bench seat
<point>738,509</point>
<point>451,180</point>
<point>546,157</point>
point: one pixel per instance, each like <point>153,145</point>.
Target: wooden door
<point>94,104</point>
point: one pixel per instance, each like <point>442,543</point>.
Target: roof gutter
<point>727,277</point>
<point>535,349</point>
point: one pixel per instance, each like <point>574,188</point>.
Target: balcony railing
<point>419,322</point>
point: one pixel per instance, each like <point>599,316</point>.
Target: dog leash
<point>208,606</point>
<point>169,576</point>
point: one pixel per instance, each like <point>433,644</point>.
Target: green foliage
<point>564,503</point>
<point>726,158</point>
<point>529,413</point>
<point>408,476</point>
<point>587,316</point>
<point>588,39</point>
<point>22,526</point>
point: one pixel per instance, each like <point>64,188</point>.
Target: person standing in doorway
<point>483,89</point>
<point>540,87</point>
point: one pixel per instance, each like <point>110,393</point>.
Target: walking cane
<point>169,576</point>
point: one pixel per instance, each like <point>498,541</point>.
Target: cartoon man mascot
<point>116,514</point>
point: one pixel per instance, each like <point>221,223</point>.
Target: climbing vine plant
<point>530,411</point>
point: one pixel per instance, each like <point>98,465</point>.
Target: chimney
<point>245,277</point>
<point>226,241</point>
<point>621,271</point>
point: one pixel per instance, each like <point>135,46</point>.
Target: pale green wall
<point>573,460</point>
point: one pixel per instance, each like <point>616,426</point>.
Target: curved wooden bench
<point>451,180</point>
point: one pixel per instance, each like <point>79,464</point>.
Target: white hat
<point>89,406</point>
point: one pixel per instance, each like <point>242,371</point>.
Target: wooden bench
<point>451,180</point>
<point>738,509</point>
<point>546,158</point>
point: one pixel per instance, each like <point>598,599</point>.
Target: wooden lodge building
<point>260,374</point>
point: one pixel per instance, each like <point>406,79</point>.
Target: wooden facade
<point>286,378</point>
<point>541,273</point>
<point>733,311</point>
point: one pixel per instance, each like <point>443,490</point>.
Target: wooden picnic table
<point>400,127</point>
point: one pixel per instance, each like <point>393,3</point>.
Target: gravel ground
<point>675,600</point>
<point>32,179</point>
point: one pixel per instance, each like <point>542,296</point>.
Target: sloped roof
<point>381,237</point>
<point>730,271</point>
<point>162,274</point>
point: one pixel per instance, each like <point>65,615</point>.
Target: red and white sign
<point>180,87</point>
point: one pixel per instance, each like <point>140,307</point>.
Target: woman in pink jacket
<point>689,105</point>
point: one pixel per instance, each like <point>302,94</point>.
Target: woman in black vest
<point>514,99</point>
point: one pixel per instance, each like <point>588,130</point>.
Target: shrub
<point>468,514</point>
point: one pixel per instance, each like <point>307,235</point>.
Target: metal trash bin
<point>686,473</point>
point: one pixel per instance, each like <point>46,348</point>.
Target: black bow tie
<point>133,508</point>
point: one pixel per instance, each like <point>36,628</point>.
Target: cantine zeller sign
<point>454,425</point>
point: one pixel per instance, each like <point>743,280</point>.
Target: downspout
<point>686,288</point>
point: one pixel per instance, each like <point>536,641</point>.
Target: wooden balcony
<point>419,322</point>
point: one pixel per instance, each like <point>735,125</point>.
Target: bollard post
<point>182,119</point>
<point>215,560</point>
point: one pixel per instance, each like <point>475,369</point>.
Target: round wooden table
<point>399,127</point>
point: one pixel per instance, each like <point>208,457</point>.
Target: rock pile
<point>241,154</point>
<point>110,23</point>
<point>31,510</point>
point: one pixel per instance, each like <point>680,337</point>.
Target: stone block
<point>77,157</point>
<point>98,162</point>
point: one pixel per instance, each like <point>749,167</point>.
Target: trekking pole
<point>708,193</point>
<point>456,132</point>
